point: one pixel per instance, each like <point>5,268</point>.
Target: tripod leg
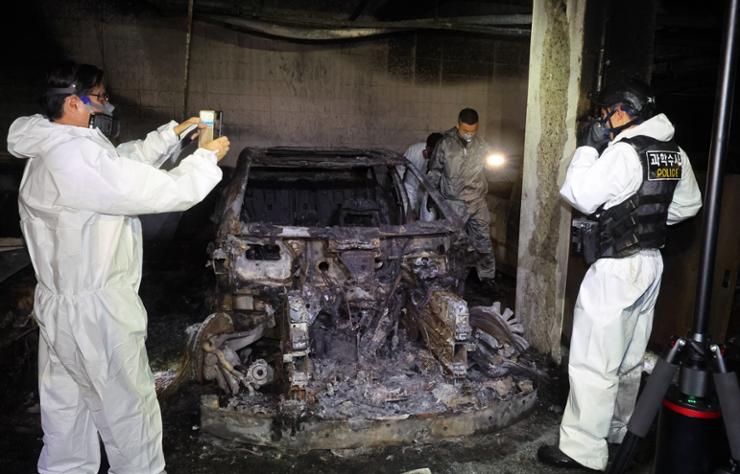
<point>647,407</point>
<point>655,389</point>
<point>625,454</point>
<point>729,401</point>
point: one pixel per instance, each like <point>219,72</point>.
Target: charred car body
<point>326,280</point>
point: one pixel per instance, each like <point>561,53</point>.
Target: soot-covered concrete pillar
<point>554,92</point>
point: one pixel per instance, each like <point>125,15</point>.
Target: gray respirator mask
<point>101,115</point>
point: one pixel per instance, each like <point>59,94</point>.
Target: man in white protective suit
<point>632,180</point>
<point>418,154</point>
<point>79,198</point>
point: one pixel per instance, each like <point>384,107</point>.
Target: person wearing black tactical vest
<point>631,180</point>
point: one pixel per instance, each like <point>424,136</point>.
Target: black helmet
<point>632,93</point>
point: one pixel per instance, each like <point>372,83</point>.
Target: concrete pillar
<point>555,65</point>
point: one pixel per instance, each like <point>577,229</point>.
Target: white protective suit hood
<point>78,202</point>
<point>658,127</point>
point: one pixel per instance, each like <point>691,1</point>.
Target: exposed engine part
<point>237,341</point>
<point>295,343</point>
<point>260,373</point>
<point>219,367</point>
<point>428,266</point>
<point>444,327</point>
<point>222,366</point>
<point>215,346</point>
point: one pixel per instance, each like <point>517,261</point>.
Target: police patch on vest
<point>663,165</point>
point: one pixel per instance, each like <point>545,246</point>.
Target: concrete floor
<point>509,451</point>
<point>175,296</point>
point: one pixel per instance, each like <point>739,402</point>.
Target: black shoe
<point>613,449</point>
<point>489,286</point>
<point>553,456</point>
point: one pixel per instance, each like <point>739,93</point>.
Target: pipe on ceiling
<point>297,30</point>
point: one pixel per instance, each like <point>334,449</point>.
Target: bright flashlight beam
<point>495,160</point>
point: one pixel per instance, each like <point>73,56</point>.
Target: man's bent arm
<point>93,179</point>
<point>591,181</point>
<point>154,149</point>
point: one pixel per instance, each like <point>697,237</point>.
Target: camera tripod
<point>693,358</point>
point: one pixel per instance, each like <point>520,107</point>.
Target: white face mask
<point>467,137</point>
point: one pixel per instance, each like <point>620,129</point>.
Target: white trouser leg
<point>99,339</point>
<point>70,439</point>
<point>630,372</point>
<point>129,418</point>
<point>606,316</point>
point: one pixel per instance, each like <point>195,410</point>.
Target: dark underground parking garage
<point>317,291</point>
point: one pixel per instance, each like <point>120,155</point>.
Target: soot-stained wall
<point>385,92</point>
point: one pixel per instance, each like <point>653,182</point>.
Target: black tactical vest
<point>640,221</point>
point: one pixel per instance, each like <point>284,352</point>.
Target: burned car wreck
<point>340,321</point>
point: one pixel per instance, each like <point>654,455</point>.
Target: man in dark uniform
<point>456,169</point>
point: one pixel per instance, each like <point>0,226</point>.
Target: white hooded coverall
<point>415,154</point>
<point>79,198</point>
<point>613,315</point>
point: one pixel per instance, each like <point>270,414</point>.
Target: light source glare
<point>495,160</point>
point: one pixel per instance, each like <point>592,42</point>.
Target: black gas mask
<point>633,96</point>
<point>102,118</point>
<point>107,124</point>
